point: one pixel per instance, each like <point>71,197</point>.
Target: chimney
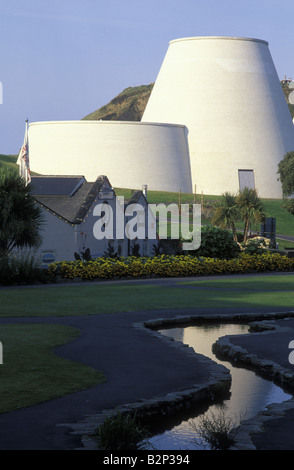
<point>144,189</point>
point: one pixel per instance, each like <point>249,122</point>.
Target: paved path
<point>137,367</point>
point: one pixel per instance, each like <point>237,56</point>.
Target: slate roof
<point>56,186</point>
<point>68,197</point>
<point>134,197</point>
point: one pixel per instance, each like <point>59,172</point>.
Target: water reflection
<point>249,393</point>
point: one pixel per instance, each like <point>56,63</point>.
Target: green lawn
<point>254,283</point>
<point>32,373</point>
<point>283,243</point>
<point>91,299</point>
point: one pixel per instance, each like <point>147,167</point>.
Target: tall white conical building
<point>227,93</point>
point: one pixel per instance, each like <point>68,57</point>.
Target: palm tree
<point>20,216</point>
<point>251,208</point>
<point>226,213</point>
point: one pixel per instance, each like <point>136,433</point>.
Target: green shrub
<point>218,431</point>
<point>21,268</point>
<point>121,432</point>
<point>217,243</point>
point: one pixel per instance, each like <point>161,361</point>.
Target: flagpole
<point>23,158</point>
<point>28,171</point>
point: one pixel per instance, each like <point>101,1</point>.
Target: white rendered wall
<point>63,239</point>
<point>227,92</point>
<point>130,154</point>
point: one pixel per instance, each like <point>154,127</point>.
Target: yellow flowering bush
<point>169,266</point>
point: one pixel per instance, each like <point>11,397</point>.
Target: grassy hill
<point>8,161</point>
<point>287,92</point>
<point>129,105</point>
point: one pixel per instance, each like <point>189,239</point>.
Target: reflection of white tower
<point>227,92</point>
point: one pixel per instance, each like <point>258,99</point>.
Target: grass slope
<point>129,105</point>
<point>273,207</point>
<point>8,161</point>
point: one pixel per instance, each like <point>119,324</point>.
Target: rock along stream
<point>249,395</point>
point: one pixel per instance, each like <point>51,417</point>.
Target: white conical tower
<point>228,94</point>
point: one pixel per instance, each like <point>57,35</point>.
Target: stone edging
<point>219,380</point>
<point>268,369</point>
<point>243,440</point>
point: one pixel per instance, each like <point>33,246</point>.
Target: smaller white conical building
<point>227,93</point>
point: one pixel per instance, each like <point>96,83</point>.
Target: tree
<point>226,213</point>
<point>20,216</point>
<point>286,172</point>
<point>251,208</point>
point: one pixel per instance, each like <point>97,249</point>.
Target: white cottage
<point>68,204</point>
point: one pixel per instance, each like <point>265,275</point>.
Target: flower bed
<point>169,266</point>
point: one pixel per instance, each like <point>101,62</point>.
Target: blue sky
<point>64,59</point>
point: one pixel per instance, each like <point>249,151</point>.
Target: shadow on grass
<point>32,373</point>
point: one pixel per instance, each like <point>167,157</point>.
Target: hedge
<point>169,266</point>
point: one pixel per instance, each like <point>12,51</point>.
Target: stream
<point>249,395</point>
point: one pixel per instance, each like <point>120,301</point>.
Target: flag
<point>23,159</point>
